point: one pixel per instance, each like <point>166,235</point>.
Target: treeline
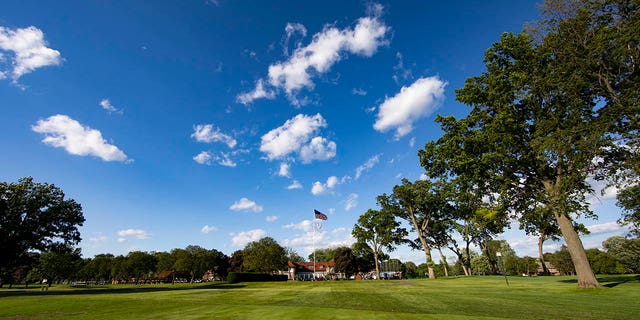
<point>555,109</point>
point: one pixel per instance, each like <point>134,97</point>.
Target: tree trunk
<point>444,262</point>
<point>545,271</point>
<point>375,258</point>
<point>586,278</point>
<point>425,245</point>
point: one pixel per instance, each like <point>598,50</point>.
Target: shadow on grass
<point>609,281</point>
<point>114,290</point>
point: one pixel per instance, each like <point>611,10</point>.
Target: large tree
<point>378,230</point>
<point>549,114</point>
<point>264,255</point>
<point>424,209</point>
<point>35,216</point>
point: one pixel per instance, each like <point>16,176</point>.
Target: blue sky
<point>215,123</point>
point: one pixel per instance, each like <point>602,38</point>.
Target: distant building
<point>551,268</point>
<point>324,270</point>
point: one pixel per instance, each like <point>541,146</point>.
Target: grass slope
<point>454,298</point>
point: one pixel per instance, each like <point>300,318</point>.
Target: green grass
<point>454,298</point>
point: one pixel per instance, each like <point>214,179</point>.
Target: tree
<point>411,270</point>
<point>345,261</point>
<point>140,264</point>
<point>627,251</point>
<point>60,263</point>
<point>423,208</point>
<point>293,256</point>
<point>561,259</point>
<point>322,254</point>
<point>35,217</point>
<point>236,262</point>
<point>548,115</point>
<point>378,230</point>
<point>264,255</point>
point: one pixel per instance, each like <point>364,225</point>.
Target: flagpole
<point>313,222</point>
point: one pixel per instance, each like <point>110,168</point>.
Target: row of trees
<point>557,107</point>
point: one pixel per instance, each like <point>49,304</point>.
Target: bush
<point>235,277</point>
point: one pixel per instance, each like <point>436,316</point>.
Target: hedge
<point>235,277</point>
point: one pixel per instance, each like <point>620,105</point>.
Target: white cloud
<point>224,160</point>
<point>243,238</point>
<point>203,157</point>
<point>607,227</point>
<point>106,105</point>
<point>291,29</point>
<point>121,240</point>
<point>133,233</point>
<point>206,229</point>
<point>271,218</point>
<point>295,185</point>
<point>319,188</point>
<point>207,133</point>
<point>352,202</point>
<point>63,132</point>
<point>206,158</point>
<point>367,166</point>
<point>30,50</point>
<point>99,239</point>
<point>410,104</point>
<point>284,170</point>
<point>307,235</point>
<point>298,134</point>
<point>258,93</point>
<point>245,204</point>
<point>318,149</point>
<point>412,142</point>
<point>325,49</point>
<point>359,92</point>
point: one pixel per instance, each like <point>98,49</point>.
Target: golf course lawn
<point>452,298</point>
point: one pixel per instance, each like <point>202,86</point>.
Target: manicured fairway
<point>455,298</point>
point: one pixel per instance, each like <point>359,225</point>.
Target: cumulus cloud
<point>326,48</point>
<point>351,202</point>
<point>306,234</point>
<point>299,135</point>
<point>319,188</point>
<point>206,158</point>
<point>29,50</point>
<point>63,132</point>
<point>607,227</point>
<point>271,218</point>
<point>258,93</point>
<point>106,105</point>
<point>284,170</point>
<point>207,229</point>
<point>318,149</point>
<point>133,233</point>
<point>367,166</point>
<point>203,157</point>
<point>245,204</point>
<point>208,133</point>
<point>295,185</point>
<point>410,104</point>
<point>243,238</point>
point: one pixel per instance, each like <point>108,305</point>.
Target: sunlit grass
<point>454,298</point>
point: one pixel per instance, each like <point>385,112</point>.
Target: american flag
<point>319,215</point>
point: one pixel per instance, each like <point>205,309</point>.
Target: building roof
<point>321,266</point>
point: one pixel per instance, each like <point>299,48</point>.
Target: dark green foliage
<point>626,251</point>
<point>35,217</point>
<point>235,277</point>
<point>345,261</point>
<point>264,255</point>
<point>604,263</point>
<point>322,254</point>
<point>561,259</point>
